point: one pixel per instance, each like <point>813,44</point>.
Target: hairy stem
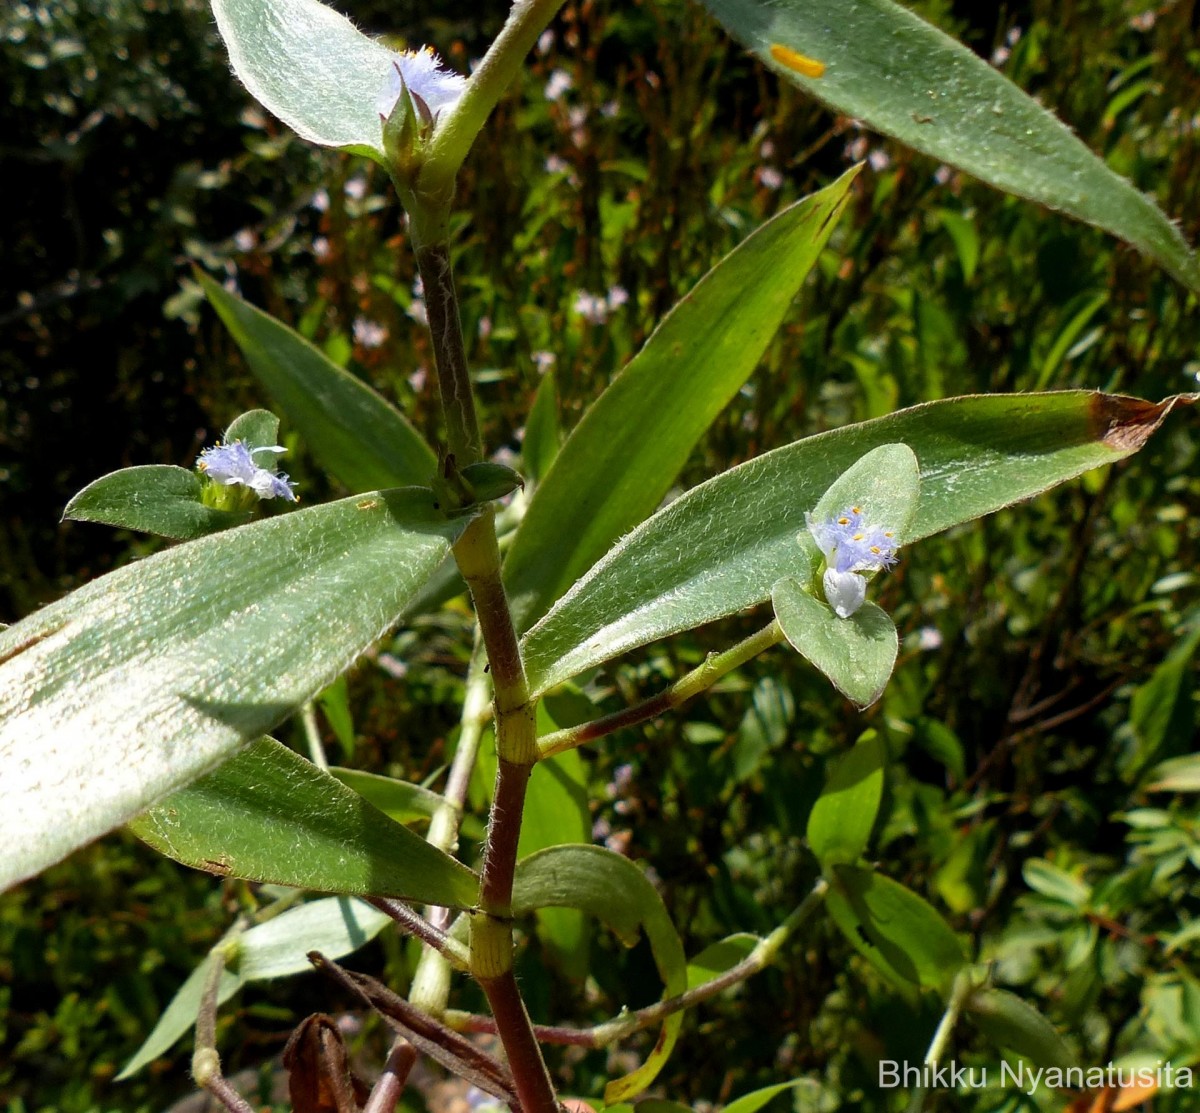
<point>445,326</point>
<point>477,553</point>
<point>704,675</point>
<point>206,1063</point>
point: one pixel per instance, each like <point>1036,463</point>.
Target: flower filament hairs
<point>430,84</point>
<point>233,465</point>
<point>851,547</point>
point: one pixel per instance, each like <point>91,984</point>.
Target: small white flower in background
<point>426,78</point>
<point>769,177</point>
<point>850,547</point>
<point>543,361</point>
<point>245,239</point>
<point>369,334</point>
<point>560,81</point>
<point>356,188</point>
<point>320,200</point>
<point>928,638</point>
<point>879,160</point>
<point>233,465</point>
<point>617,297</point>
<point>591,307</point>
<point>545,42</point>
<point>556,164</point>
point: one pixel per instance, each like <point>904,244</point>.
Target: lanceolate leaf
<point>311,67</point>
<point>902,76</point>
<point>276,948</point>
<point>625,454</point>
<point>724,544</point>
<point>361,438</point>
<point>613,889</point>
<point>269,815</point>
<point>149,677</point>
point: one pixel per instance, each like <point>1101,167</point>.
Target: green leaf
<point>309,66</point>
<point>885,484</point>
<point>839,825</point>
<point>1051,881</point>
<point>1162,711</point>
<point>902,76</point>
<point>543,436</point>
<point>352,431</point>
<point>724,545</point>
<point>625,454</point>
<point>270,815</point>
<point>335,926</point>
<point>857,654</point>
<point>897,931</point>
<point>1180,774</point>
<point>718,957</point>
<point>154,498</point>
<point>400,800</point>
<point>756,1099</point>
<point>147,678</point>
<point>255,428</point>
<point>1012,1023</point>
<point>335,703</point>
<point>180,1015</point>
<point>612,889</point>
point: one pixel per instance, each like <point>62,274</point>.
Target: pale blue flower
<point>233,464</point>
<point>432,84</point>
<point>850,546</point>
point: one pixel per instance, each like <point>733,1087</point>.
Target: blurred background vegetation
<point>1047,666</point>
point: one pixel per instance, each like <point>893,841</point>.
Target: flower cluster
<point>851,547</point>
<point>429,83</point>
<point>233,464</point>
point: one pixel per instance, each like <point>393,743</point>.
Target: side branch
<point>703,676</point>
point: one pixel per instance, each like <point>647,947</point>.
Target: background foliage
<point>1047,653</point>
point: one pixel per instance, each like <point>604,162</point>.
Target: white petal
<point>844,591</point>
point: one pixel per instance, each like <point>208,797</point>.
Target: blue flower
<point>233,464</point>
<point>851,546</point>
<point>429,83</point>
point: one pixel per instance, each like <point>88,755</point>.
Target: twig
<point>206,1063</point>
<point>704,675</point>
<point>430,1036</point>
<point>429,934</point>
<point>601,1035</point>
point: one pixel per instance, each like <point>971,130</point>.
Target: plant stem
<point>416,925</point>
<point>705,675</point>
<point>456,131</point>
<point>312,735</point>
<point>445,326</point>
<point>604,1034</point>
<point>959,993</point>
<point>206,1063</point>
<point>477,554</point>
<point>390,1084</point>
